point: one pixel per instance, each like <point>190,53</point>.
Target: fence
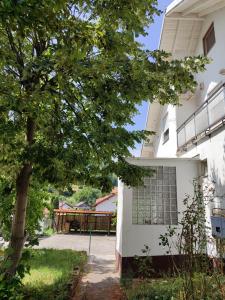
<point>205,118</point>
<point>84,221</point>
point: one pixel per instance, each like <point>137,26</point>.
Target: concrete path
<point>100,281</point>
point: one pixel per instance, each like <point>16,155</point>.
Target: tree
<point>71,76</point>
<point>86,194</point>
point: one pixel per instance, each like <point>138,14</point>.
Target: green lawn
<point>50,273</point>
<point>204,287</point>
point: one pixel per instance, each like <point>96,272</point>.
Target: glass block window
<point>156,201</point>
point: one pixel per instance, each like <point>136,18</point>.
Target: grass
<point>204,287</point>
<point>161,289</point>
<point>50,272</point>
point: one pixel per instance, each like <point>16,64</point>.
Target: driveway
<point>101,245</point>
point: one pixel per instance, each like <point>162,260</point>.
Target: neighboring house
<point>189,140</point>
<point>107,203</point>
<point>82,206</point>
<point>64,205</point>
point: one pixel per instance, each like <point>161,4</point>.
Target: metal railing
<point>204,120</point>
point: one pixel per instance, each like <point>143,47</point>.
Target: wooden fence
<point>84,221</point>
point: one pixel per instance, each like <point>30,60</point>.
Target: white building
<point>107,203</point>
<point>189,138</point>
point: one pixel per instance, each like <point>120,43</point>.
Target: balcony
<point>207,118</point>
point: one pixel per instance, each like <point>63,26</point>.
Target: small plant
<point>48,232</point>
<point>144,263</point>
<point>11,289</point>
<point>192,244</point>
<point>156,289</point>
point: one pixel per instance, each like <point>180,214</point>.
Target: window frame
<point>157,198</point>
<point>166,135</point>
<point>165,128</point>
<point>206,47</point>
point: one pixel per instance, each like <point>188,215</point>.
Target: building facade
<point>189,137</point>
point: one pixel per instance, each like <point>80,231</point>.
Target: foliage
<point>38,199</point>
<point>76,70</point>
<point>114,180</point>
<point>173,289</point>
<point>7,194</point>
<point>192,243</point>
<point>13,289</point>
<point>71,76</point>
<point>57,267</point>
<point>48,232</point>
<point>193,223</point>
<point>29,282</point>
<point>155,289</point>
<point>144,263</point>
<point>86,194</point>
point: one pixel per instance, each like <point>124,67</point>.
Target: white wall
<point>212,148</point>
<point>131,238</point>
<point>108,205</point>
<point>120,218</point>
<point>211,76</point>
<point>169,148</point>
<point>208,80</point>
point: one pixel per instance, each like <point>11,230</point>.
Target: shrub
<point>161,290</point>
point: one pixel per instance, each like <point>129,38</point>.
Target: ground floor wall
<point>159,266</point>
<point>131,237</point>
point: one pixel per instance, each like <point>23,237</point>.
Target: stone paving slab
<point>101,281</point>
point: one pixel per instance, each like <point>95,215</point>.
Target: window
<point>156,201</point>
<point>209,39</point>
<point>204,168</point>
<point>166,135</point>
<point>166,131</point>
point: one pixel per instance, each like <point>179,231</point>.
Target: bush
<point>12,289</point>
<point>205,287</point>
<point>160,290</point>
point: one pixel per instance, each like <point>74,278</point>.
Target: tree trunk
<point>18,234</point>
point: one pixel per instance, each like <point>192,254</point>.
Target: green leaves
<point>76,69</point>
<point>86,194</point>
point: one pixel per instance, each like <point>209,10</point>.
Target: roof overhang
<point>181,31</point>
<point>183,25</point>
<point>152,122</point>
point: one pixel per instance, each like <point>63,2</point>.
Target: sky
<point>151,41</point>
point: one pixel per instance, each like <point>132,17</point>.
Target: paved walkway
<point>100,281</point>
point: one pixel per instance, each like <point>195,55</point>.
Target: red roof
<point>107,197</point>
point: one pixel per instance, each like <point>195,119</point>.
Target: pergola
<point>86,220</point>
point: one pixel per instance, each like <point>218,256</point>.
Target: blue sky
<point>151,41</point>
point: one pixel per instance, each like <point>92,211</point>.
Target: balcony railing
<point>204,120</point>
